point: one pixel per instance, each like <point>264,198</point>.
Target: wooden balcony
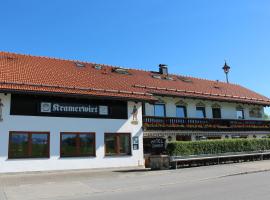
<point>173,123</point>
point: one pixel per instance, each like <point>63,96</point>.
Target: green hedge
<point>217,146</point>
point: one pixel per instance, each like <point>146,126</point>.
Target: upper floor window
<point>240,113</point>
<point>200,110</point>
<point>216,111</point>
<point>159,110</point>
<point>255,113</point>
<point>181,111</point>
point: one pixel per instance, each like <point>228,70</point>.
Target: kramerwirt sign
<point>73,108</point>
<point>53,106</point>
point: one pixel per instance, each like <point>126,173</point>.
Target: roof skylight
<point>121,70</point>
<point>99,67</point>
<point>78,64</point>
<point>184,79</point>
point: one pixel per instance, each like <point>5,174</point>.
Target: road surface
<point>247,181</point>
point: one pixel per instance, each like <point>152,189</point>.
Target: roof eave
<point>262,103</point>
<point>63,94</point>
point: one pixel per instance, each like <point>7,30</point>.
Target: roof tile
<point>42,74</point>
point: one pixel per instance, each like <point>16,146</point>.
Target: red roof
<point>25,73</point>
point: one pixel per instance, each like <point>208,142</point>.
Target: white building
<point>60,114</point>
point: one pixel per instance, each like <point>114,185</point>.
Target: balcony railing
<point>173,123</point>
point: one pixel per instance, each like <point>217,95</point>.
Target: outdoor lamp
<point>226,69</point>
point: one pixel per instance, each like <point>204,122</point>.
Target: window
<point>183,138</point>
<point>240,113</point>
<point>216,113</point>
<point>77,144</point>
<point>200,112</point>
<point>159,110</point>
<point>181,111</point>
<point>213,137</point>
<point>29,145</point>
<point>255,113</point>
<point>117,144</point>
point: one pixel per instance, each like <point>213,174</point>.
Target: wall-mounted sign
<point>135,141</point>
<point>68,107</point>
<point>103,110</point>
<point>49,107</point>
<point>158,143</point>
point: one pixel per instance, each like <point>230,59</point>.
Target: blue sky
<point>193,36</point>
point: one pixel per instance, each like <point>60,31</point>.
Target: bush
<point>217,146</point>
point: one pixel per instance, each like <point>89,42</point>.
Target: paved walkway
<point>91,183</point>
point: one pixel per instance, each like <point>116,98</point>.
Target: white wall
<point>55,125</point>
<point>228,110</point>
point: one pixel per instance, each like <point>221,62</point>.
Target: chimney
<point>163,69</point>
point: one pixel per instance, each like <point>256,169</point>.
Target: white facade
<point>55,125</point>
<point>228,110</point>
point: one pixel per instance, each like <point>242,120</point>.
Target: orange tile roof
<point>26,73</point>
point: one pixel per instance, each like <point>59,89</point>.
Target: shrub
<point>217,146</point>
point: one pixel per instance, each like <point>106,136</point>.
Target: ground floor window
<point>77,144</point>
<point>239,136</point>
<point>117,144</point>
<point>29,144</point>
<point>213,137</point>
<point>183,138</point>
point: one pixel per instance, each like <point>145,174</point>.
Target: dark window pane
<point>181,111</point>
<point>159,110</point>
<point>40,145</point>
<point>87,144</point>
<point>216,113</point>
<point>19,145</point>
<point>110,144</point>
<point>124,144</point>
<point>68,146</point>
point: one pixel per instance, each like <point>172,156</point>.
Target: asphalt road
<point>247,181</point>
<point>247,187</point>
